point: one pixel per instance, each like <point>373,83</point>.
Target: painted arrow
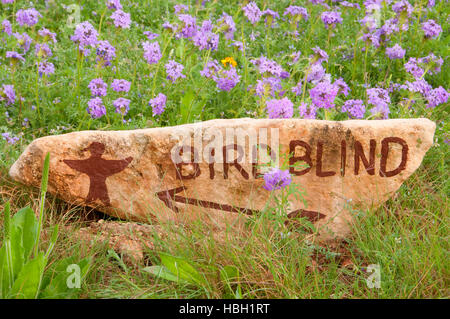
<point>168,197</point>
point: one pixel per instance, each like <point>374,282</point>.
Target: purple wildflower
<point>114,5</point>
<point>150,35</point>
<point>205,39</point>
<point>96,108</point>
<point>431,29</point>
<point>210,70</point>
<point>252,12</point>
<point>396,52</point>
<point>7,1</point>
<point>421,86</point>
<point>355,108</point>
<point>7,94</point>
<point>268,66</point>
<point>152,52</point>
<point>14,56</point>
<point>122,105</point>
<point>46,68</point>
<point>179,8</point>
<point>47,35</point>
<point>10,139</point>
<point>6,27</point>
<point>342,86</point>
<point>173,70</point>
<point>331,18</point>
<point>323,95</point>
<point>412,66</point>
<point>297,89</point>
<point>319,55</point>
<point>380,99</point>
<point>437,96</point>
<point>43,50</point>
<point>105,52</point>
<point>296,13</point>
<point>189,25</point>
<point>304,113</point>
<point>121,85</point>
<point>403,7</point>
<point>227,79</point>
<point>121,19</point>
<point>98,87</point>
<point>228,26</point>
<point>432,62</point>
<point>276,178</point>
<point>158,104</point>
<point>28,17</point>
<point>24,41</point>
<point>316,73</point>
<point>271,16</point>
<point>85,35</point>
<point>282,108</point>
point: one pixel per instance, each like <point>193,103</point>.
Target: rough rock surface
<point>138,175</point>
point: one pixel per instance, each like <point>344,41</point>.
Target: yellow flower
<point>230,61</point>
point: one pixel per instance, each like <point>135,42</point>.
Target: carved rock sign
<point>213,169</point>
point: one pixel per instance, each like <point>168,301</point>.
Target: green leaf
<point>26,223</point>
<point>164,273</point>
<point>27,284</point>
<point>230,276</point>
<point>44,184</point>
<point>54,283</point>
<point>182,269</point>
<point>185,106</point>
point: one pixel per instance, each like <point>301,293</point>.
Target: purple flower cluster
<point>174,70</point>
<point>227,79</point>
<point>46,68</point>
<point>152,52</point>
<point>189,27</point>
<point>27,17</point>
<point>396,52</point>
<point>121,19</point>
<point>380,99</point>
<point>226,23</point>
<point>437,96</point>
<point>10,139</point>
<point>331,18</point>
<point>158,104</point>
<point>24,41</point>
<point>85,35</point>
<point>122,105</point>
<point>7,94</point>
<point>96,108</point>
<point>120,85</point>
<point>14,56</point>
<point>276,178</point>
<point>114,5</point>
<point>280,108</point>
<point>431,29</point>
<point>296,13</point>
<point>105,52</point>
<point>304,113</point>
<point>205,39</point>
<point>47,35</point>
<point>98,87</point>
<point>323,95</point>
<point>252,12</point>
<point>355,108</point>
<point>6,27</point>
<point>267,66</point>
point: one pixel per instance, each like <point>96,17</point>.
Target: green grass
<point>407,237</point>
